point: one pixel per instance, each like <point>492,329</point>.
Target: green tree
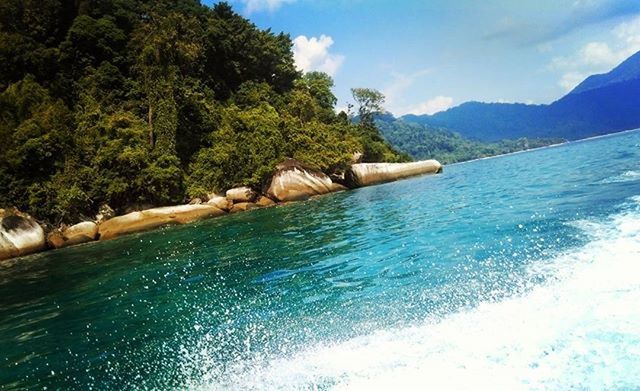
<point>136,103</point>
<point>369,102</point>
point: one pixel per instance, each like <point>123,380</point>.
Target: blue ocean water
<point>516,272</point>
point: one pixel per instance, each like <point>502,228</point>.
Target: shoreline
<point>548,146</point>
<point>510,153</point>
<point>21,235</point>
<point>371,174</point>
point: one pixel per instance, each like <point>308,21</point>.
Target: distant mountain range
<point>601,104</point>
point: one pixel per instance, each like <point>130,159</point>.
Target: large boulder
<point>294,181</point>
<point>220,202</point>
<point>365,174</point>
<point>76,234</point>
<point>153,218</point>
<point>105,212</point>
<point>264,201</point>
<point>243,207</point>
<point>20,235</point>
<point>241,194</point>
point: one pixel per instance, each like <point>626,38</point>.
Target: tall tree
<point>369,102</point>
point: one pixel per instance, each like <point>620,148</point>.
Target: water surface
<point>517,272</point>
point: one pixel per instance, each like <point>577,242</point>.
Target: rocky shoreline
<point>292,181</point>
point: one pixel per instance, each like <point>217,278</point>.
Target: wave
<point>580,330</point>
<point>627,176</point>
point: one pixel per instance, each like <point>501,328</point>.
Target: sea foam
<point>627,176</point>
<point>580,330</point>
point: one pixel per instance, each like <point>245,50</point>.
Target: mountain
<point>601,104</point>
<point>628,70</point>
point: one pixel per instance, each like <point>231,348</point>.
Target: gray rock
<point>156,217</point>
<point>241,194</point>
<point>220,202</point>
<point>294,181</point>
<point>84,232</point>
<point>365,174</point>
<point>20,235</point>
<point>105,212</point>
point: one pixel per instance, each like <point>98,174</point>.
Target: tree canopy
<point>140,102</point>
<point>424,142</point>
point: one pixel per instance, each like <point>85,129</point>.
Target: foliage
<point>134,103</point>
<point>369,103</point>
<point>422,142</point>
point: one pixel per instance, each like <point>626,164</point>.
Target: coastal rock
<point>265,201</point>
<point>105,212</point>
<point>76,234</point>
<point>335,187</point>
<point>20,235</point>
<point>138,207</point>
<point>294,181</point>
<point>153,218</point>
<point>241,194</point>
<point>243,207</point>
<point>365,174</point>
<point>220,202</point>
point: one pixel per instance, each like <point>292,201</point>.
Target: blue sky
<point>429,55</point>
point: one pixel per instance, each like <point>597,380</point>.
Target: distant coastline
<point>548,146</point>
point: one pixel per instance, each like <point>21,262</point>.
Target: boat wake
<point>627,176</point>
<point>581,329</point>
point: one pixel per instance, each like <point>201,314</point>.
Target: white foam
<point>627,176</point>
<point>582,330</point>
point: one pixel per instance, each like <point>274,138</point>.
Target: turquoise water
<point>518,272</point>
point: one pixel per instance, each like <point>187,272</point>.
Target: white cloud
<point>252,6</point>
<point>570,80</point>
<point>629,34</point>
<point>312,54</point>
<point>401,82</point>
<point>598,56</point>
<point>396,90</point>
<point>432,106</point>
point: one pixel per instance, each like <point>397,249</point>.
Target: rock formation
<point>366,174</point>
<point>80,233</point>
<point>19,235</point>
<point>153,218</point>
<point>241,194</point>
<point>220,202</point>
<point>265,201</point>
<point>294,181</point>
<point>243,207</point>
<point>105,212</point>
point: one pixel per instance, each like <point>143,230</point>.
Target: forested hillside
<point>140,102</point>
<point>425,142</point>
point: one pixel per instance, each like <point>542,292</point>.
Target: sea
<point>518,272</point>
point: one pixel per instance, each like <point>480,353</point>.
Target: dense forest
<point>425,142</point>
<point>142,102</point>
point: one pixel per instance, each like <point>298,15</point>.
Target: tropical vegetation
<point>152,102</point>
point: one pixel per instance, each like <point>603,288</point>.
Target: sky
<point>429,55</point>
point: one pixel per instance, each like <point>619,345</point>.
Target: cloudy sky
<point>428,55</point>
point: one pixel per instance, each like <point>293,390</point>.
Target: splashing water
<point>580,330</point>
<point>519,272</point>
